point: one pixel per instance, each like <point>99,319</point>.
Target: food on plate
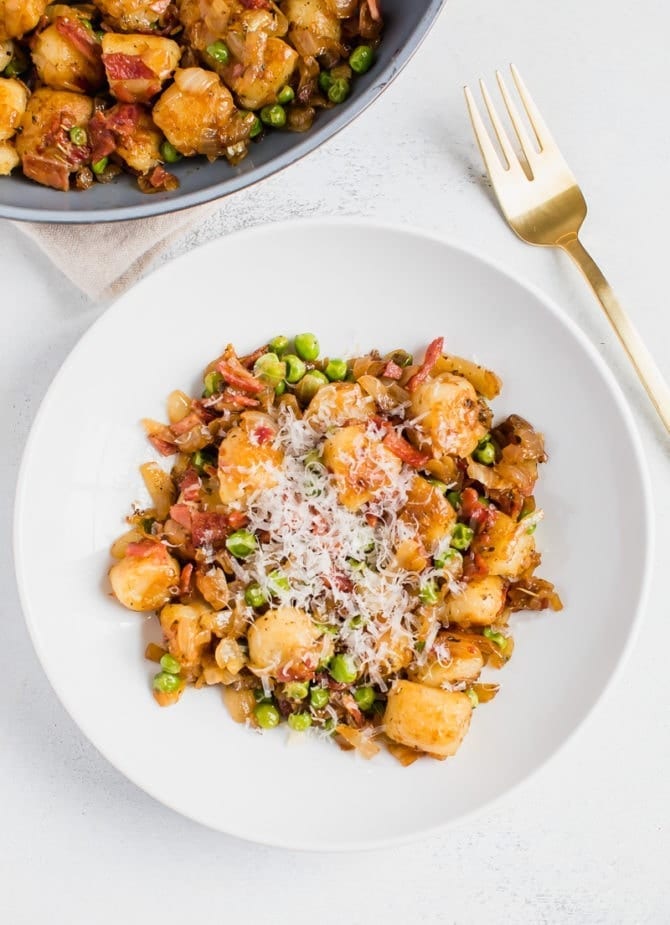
<point>155,82</point>
<point>339,545</point>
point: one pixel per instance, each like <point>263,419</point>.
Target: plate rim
<point>613,388</point>
<point>312,141</point>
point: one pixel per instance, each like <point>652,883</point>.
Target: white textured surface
<point>587,840</point>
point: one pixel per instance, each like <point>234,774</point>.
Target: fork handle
<point>645,365</point>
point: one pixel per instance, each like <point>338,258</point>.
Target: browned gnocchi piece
<point>427,718</point>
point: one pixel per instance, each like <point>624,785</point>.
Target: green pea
<point>441,486</point>
<point>213,383</point>
<point>462,537</point>
<point>170,664</point>
<point>167,683</point>
<point>356,565</point>
<point>274,115</point>
<point>296,690</point>
<point>356,622</point>
<point>269,368</point>
<point>307,347</point>
<point>100,166</point>
<point>428,593</point>
<point>342,669</point>
<point>496,638</point>
<point>78,135</point>
<point>219,52</point>
<point>267,715</point>
<point>254,595</point>
<point>364,697</point>
<point>279,345</point>
<point>280,388</point>
<point>472,696</point>
<point>241,544</point>
<point>285,95</point>
<point>309,385</point>
<point>442,558</point>
<point>420,645</point>
<point>338,90</point>
<point>319,697</point>
<point>485,452</point>
<point>256,127</point>
<point>361,58</point>
<point>325,81</point>
<point>454,499</point>
<point>295,368</point>
<point>336,370</point>
<point>299,722</point>
<point>170,154</point>
<point>278,583</point>
<point>531,529</point>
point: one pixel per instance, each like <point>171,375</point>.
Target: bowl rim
<point>309,142</point>
<point>648,539</point>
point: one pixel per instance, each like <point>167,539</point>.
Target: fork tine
<point>492,162</point>
<point>528,148</point>
<point>542,133</point>
<point>501,134</point>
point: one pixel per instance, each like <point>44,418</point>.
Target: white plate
<point>357,286</point>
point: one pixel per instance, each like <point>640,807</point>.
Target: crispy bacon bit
<point>433,353</point>
<point>189,486</point>
<point>126,67</point>
<point>163,446</point>
<point>404,450</point>
<point>188,423</point>
<point>106,128</point>
<point>181,514</point>
<point>47,170</point>
<point>236,375</point>
<point>342,583</point>
<point>300,670</point>
<point>480,517</point>
<point>237,519</point>
<point>79,37</point>
<point>208,528</point>
<point>371,519</point>
<point>159,180</point>
<point>392,370</point>
<point>185,579</point>
<point>353,709</point>
<point>249,360</point>
<point>145,548</point>
<point>237,401</point>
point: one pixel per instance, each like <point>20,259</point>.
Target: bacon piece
<point>237,519</point>
<point>79,37</point>
<point>189,486</point>
<point>181,514</point>
<point>433,353</point>
<point>353,709</point>
<point>474,566</point>
<point>145,548</point>
<point>249,360</point>
<point>208,527</point>
<point>106,128</point>
<point>161,180</point>
<point>480,516</point>
<point>392,370</point>
<point>237,401</point>
<point>188,423</point>
<point>185,579</point>
<point>126,67</point>
<point>404,450</point>
<point>236,375</point>
<point>263,434</point>
<point>371,519</point>
<point>47,170</point>
<point>163,446</point>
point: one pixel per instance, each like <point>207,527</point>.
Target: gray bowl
<point>407,22</point>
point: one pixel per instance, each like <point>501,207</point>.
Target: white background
<point>586,841</point>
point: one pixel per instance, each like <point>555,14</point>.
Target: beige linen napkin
<point>105,259</point>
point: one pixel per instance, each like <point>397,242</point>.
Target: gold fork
<point>547,208</point>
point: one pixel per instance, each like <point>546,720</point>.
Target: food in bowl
<point>90,90</point>
<point>339,544</point>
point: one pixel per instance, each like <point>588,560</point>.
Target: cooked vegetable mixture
<point>340,544</point>
<point>93,89</point>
